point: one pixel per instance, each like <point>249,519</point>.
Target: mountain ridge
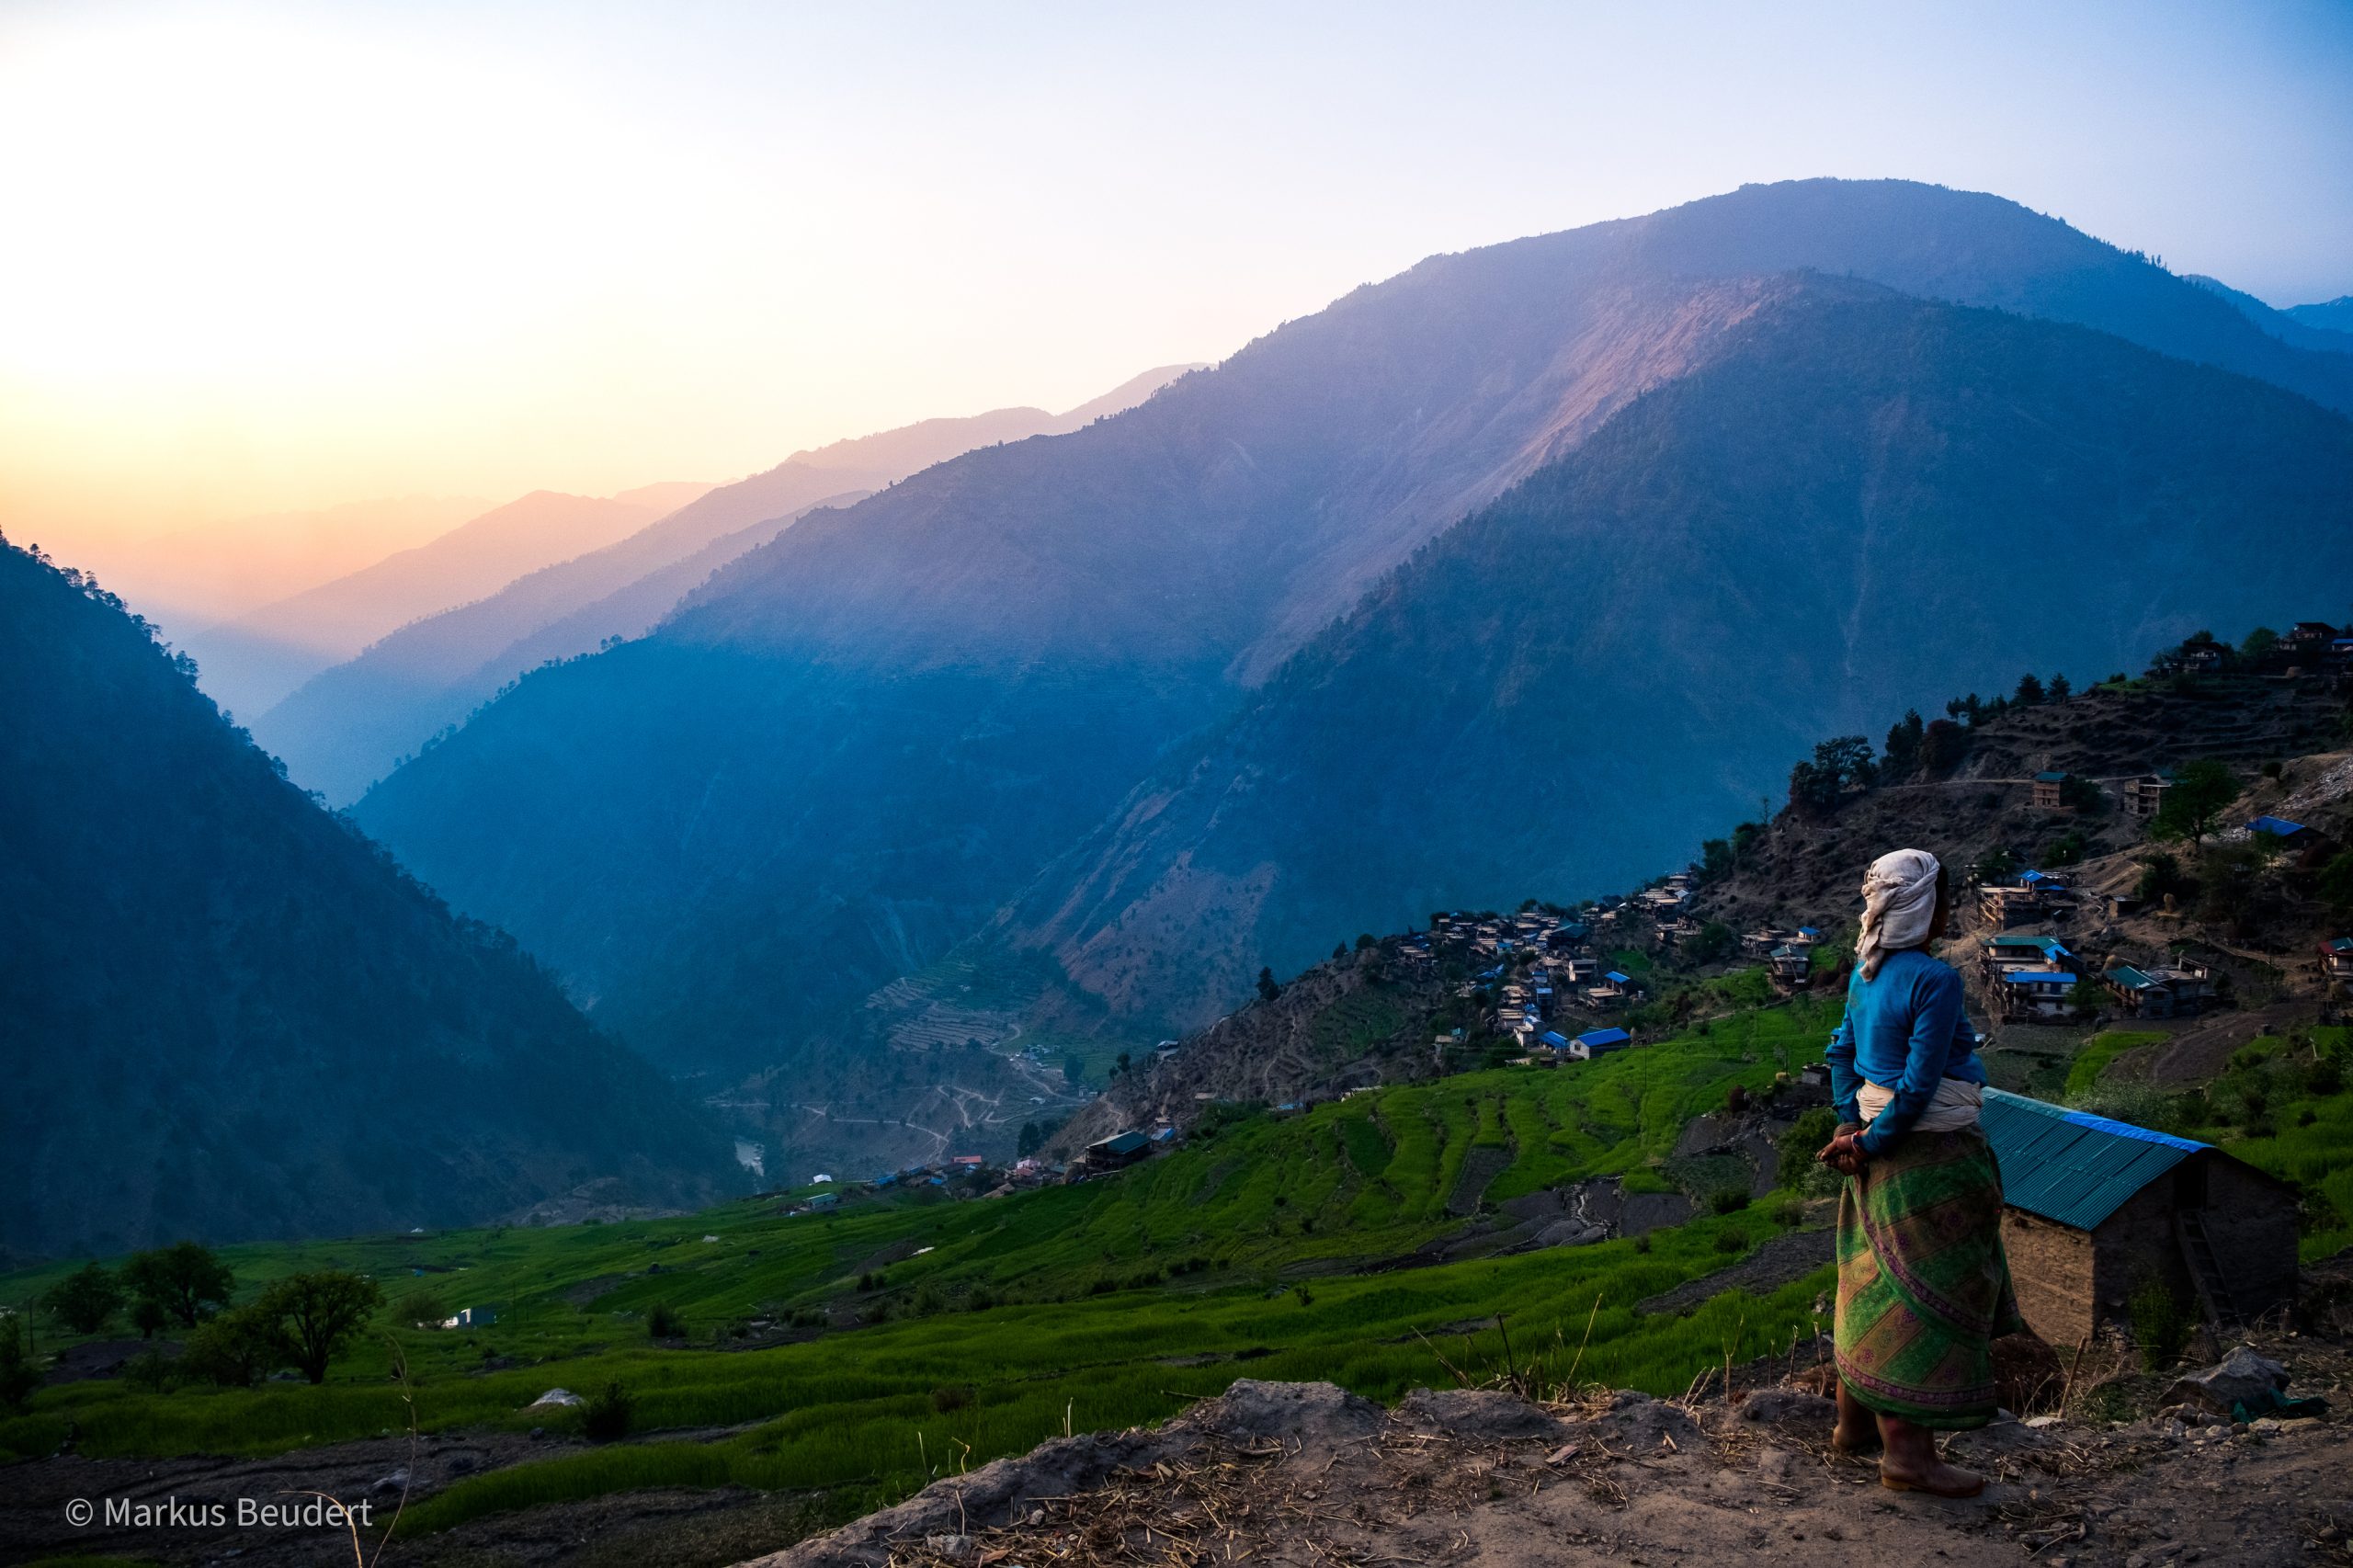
<point>981,653</point>
<point>346,726</point>
<point>239,1016</point>
<point>1617,685</point>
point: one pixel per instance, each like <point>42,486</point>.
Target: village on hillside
<point>2114,935</point>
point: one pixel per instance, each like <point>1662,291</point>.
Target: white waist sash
<point>1954,1106</point>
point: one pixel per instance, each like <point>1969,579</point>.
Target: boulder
<point>2240,1377</point>
<point>556,1396</point>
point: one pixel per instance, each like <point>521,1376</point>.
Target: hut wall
<point>2050,1267</point>
<point>2252,1225</point>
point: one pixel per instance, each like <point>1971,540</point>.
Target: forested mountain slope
<point>1870,501</point>
<point>230,1015</point>
<point>852,746</point>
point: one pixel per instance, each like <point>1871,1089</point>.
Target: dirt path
<point>2201,1051</point>
<point>1302,1473</point>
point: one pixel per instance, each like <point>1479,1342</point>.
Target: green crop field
<point>937,1333</point>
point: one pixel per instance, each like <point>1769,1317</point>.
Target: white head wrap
<point>1899,905</point>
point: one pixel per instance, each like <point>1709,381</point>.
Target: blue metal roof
<point>1617,977</point>
<point>2277,826</point>
<point>1553,1038</point>
<point>2029,974</point>
<point>2124,974</point>
<point>2049,778</point>
<point>2069,1167</point>
<point>1602,1039</point>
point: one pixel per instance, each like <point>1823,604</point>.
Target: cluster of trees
<point>1837,766</point>
<point>180,1285</point>
<point>1035,1134</point>
<point>304,1321</point>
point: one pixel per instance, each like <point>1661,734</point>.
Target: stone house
<point>2095,1210</point>
<point>2144,795</point>
<point>2179,991</point>
<point>2050,790</point>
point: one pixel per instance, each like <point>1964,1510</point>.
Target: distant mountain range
<point>915,719</point>
<point>192,578</point>
<point>346,726</point>
<point>252,661</point>
<point>229,1014</point>
<point>2305,327</point>
<point>2336,314</point>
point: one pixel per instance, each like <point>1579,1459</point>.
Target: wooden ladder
<point>2205,1269</point>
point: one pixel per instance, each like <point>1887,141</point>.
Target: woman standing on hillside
<point>1923,1286</point>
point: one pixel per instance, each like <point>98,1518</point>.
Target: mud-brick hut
<point>2095,1209</point>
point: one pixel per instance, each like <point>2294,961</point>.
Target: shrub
<point>423,1305</point>
<point>235,1349</point>
<point>2160,1326</point>
<point>1728,1199</point>
<point>84,1299</point>
<point>607,1417</point>
<point>954,1396</point>
<point>150,1371</point>
<point>664,1320</point>
<point>18,1376</point>
<point>1643,1243</point>
<point>1789,1213</point>
<point>1799,1168</point>
<point>1730,1241</point>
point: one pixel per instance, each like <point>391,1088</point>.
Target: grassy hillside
<point>1269,1249</point>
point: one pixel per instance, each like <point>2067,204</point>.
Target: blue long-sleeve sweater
<point>1903,1030</point>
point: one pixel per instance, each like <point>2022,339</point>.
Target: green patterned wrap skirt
<point>1924,1287</point>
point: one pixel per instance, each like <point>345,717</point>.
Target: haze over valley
<point>920,786</point>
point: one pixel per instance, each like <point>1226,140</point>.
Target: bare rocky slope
<point>1305,1474</point>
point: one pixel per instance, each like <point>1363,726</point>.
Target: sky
<point>263,258</point>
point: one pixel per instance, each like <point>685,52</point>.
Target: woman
<point>1923,1286</point>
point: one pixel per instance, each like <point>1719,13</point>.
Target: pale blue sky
<point>295,254</point>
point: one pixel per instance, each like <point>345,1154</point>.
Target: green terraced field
<point>1270,1249</point>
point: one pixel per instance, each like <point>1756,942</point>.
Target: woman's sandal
<point>1896,1484</point>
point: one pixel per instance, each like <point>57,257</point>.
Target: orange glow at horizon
<point>266,256</point>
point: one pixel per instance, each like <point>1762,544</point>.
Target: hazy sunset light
<point>279,256</point>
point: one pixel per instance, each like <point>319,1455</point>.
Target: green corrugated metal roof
<point>2069,1166</point>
